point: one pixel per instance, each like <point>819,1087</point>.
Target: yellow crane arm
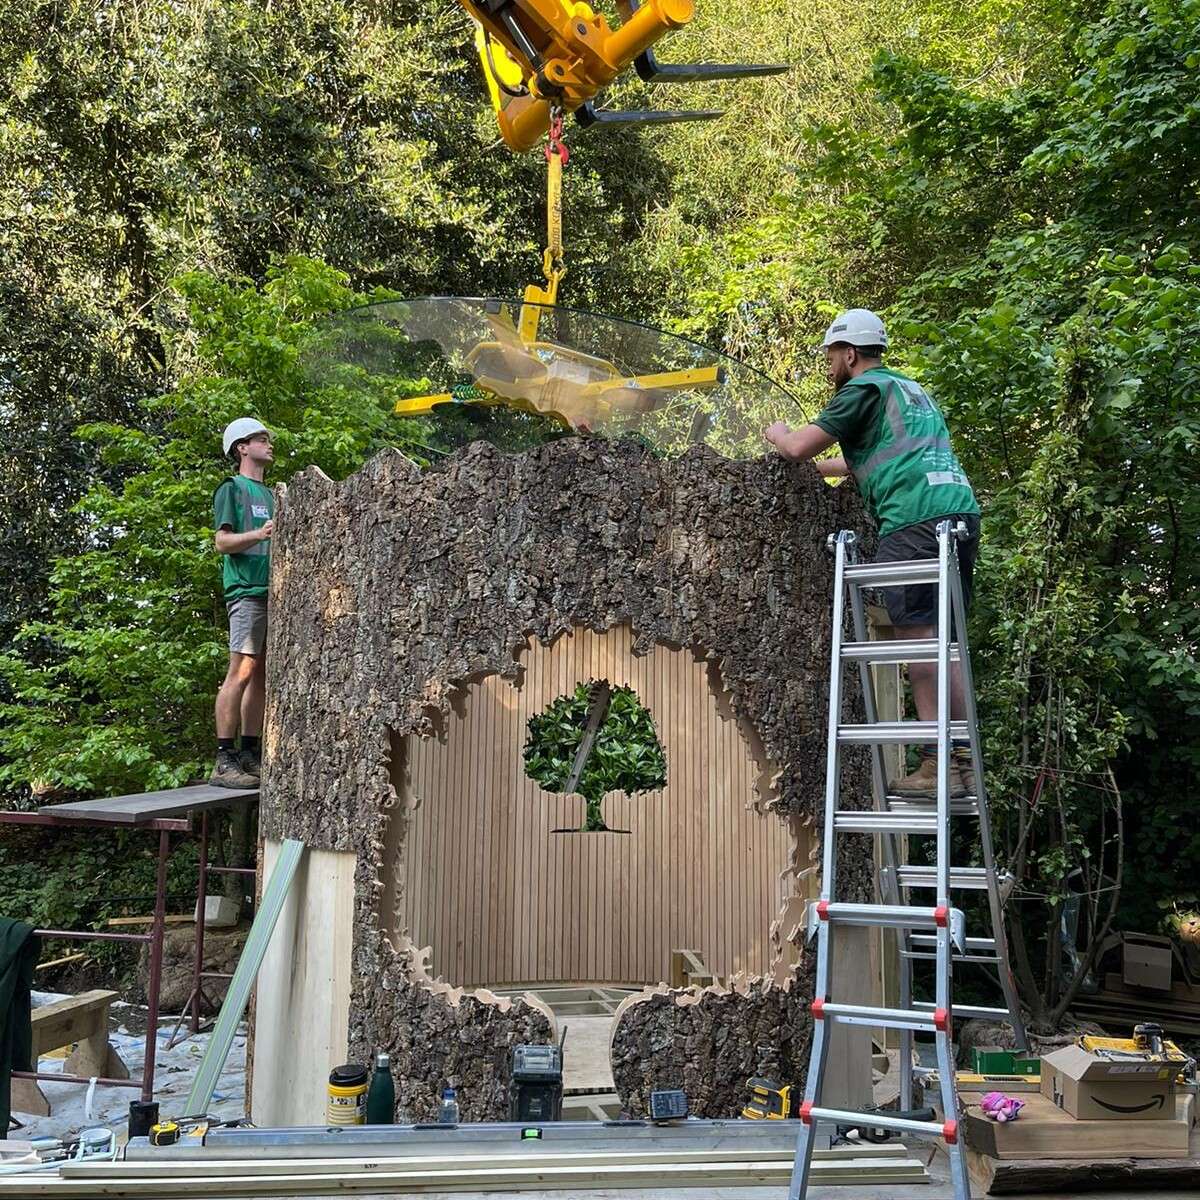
<point>542,53</point>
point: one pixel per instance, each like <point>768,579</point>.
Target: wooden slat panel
<point>481,877</point>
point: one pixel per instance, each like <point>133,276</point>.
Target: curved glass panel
<point>554,370</point>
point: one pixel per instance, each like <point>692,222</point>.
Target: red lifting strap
<point>941,916</point>
<point>805,1113</point>
<point>941,1018</point>
<point>823,909</point>
<point>818,1009</point>
<point>950,1132</point>
<point>556,145</point>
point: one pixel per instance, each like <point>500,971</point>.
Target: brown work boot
<point>251,762</point>
<point>921,784</point>
<point>966,769</point>
<point>228,772</point>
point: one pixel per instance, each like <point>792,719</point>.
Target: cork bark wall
<point>396,588</point>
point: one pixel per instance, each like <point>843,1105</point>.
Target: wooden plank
<point>169,919</point>
<point>70,1020</point>
<point>371,1177</point>
<point>898,1163</point>
<point>1026,1176</point>
<point>60,962</point>
<point>1185,993</point>
<point>138,807</point>
<point>1045,1131</point>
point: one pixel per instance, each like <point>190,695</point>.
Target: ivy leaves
<point>625,757</point>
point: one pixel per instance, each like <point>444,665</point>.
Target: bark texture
<point>710,1044</point>
<point>397,587</point>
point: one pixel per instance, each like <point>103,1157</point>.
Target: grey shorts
<point>917,605</point>
<point>247,624</point>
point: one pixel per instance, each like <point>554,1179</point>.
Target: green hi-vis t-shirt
<point>242,504</point>
<point>895,441</point>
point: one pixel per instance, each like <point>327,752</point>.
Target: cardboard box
<point>1043,1131</point>
<point>1146,961</point>
<point>1093,1088</point>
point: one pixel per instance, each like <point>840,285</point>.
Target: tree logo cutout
<point>597,740</point>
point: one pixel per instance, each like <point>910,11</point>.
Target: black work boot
<point>229,772</point>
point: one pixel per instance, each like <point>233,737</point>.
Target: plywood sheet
<point>302,1010</point>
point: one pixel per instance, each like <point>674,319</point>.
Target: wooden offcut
<point>1045,1131</point>
<point>514,1171</point>
<point>82,1023</point>
<point>303,994</point>
<point>1041,1176</point>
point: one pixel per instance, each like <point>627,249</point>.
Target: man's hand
<point>263,532</point>
<point>775,433</point>
<point>798,444</point>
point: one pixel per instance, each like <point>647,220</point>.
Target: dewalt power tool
<point>769,1101</point>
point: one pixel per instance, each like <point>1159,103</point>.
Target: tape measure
<point>165,1133</point>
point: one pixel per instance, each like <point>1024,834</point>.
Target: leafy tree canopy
<point>625,757</point>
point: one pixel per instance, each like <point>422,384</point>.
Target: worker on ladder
<point>895,442</point>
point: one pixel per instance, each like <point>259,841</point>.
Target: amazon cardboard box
<point>1093,1088</point>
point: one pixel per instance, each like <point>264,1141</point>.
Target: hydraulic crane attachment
<point>543,59</point>
<point>541,55</point>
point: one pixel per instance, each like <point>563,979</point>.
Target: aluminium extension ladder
<point>935,932</point>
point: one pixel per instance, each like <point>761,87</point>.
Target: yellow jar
<point>346,1103</point>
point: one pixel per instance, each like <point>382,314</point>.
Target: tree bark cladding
<point>397,586</point>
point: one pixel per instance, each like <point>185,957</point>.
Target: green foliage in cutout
<point>626,757</point>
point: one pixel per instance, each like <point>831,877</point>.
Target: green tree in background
<point>139,142</point>
<point>625,757</point>
<point>1038,246</point>
<point>135,619</point>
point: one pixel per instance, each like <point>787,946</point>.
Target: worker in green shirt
<point>895,442</point>
<point>243,517</point>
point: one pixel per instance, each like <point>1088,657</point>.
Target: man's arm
<point>229,542</point>
<point>799,444</point>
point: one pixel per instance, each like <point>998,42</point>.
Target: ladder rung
<point>931,956</point>
<point>884,1018</point>
<point>869,821</point>
<point>967,1010</point>
<point>970,944</point>
<point>897,651</point>
<point>842,1116</point>
<point>961,806</point>
<point>892,916</point>
<point>912,733</point>
<point>972,878</point>
<point>892,574</point>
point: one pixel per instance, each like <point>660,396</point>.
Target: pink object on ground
<point>1000,1107</point>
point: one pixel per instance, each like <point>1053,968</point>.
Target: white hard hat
<point>239,430</point>
<point>857,327</point>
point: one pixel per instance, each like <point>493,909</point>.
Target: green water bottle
<point>381,1099</point>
